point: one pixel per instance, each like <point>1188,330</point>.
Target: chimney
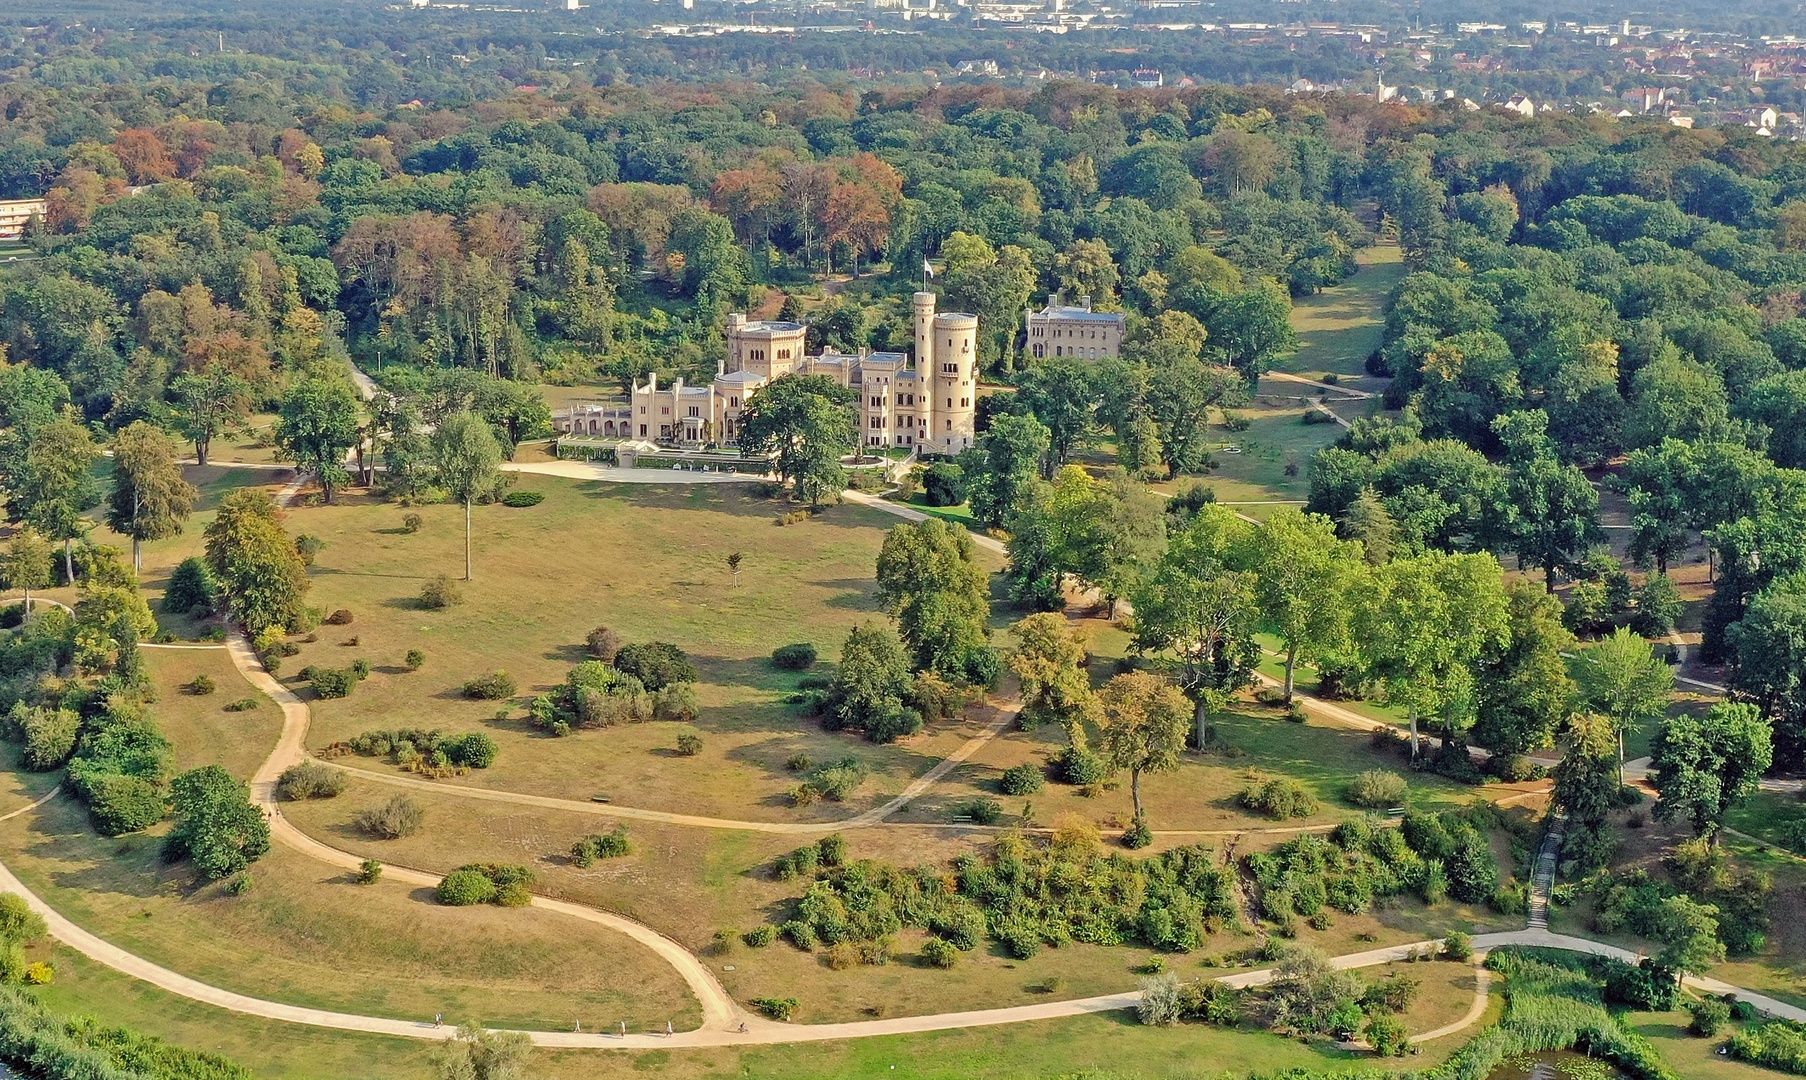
<point>720,366</point>
<point>1085,302</point>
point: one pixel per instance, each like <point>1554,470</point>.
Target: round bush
<point>200,685</point>
<point>331,682</point>
<point>760,936</point>
<point>523,498</point>
<point>341,617</point>
<point>398,817</point>
<point>492,687</point>
<point>689,745</point>
<point>798,657</point>
<point>1377,789</point>
<point>1022,780</point>
<point>473,749</point>
<point>414,659</point>
<point>1137,835</point>
<point>466,886</point>
<point>1081,767</point>
<point>411,523</point>
<point>657,664</point>
<point>439,593</point>
<point>310,780</point>
<point>938,953</point>
<point>604,644</point>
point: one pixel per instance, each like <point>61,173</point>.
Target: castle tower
<point>955,381</point>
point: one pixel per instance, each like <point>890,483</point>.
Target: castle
<point>929,405</point>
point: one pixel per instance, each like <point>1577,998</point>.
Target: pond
<point>1556,1065</point>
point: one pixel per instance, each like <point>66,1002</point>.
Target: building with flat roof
<point>1074,330</point>
<point>15,214</point>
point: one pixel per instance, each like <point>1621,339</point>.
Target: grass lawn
<point>1276,438</point>
<point>305,934</point>
<point>203,732</point>
<point>1691,1056</point>
<point>1338,328</point>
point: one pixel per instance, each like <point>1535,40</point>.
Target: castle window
<point>965,402</point>
<point>642,431</point>
<point>664,410</point>
<point>733,403</point>
<point>695,411</point>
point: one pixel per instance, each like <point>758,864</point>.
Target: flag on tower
<point>927,270</point>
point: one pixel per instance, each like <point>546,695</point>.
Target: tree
<point>260,574</point>
<point>317,426</point>
<point>1688,931</point>
<point>1524,688</point>
<point>1050,660</point>
<point>150,499</point>
<point>869,686</point>
<point>804,425</point>
<point>1556,520</point>
<point>1622,677</point>
<point>1200,605</point>
<point>467,460</point>
<point>217,826</point>
<point>930,583</point>
<point>55,483</point>
<point>1143,727</point>
<point>1769,653</point>
<point>208,405</point>
<point>1251,327</point>
<point>1705,765</point>
<point>1586,787</point>
<point>1421,626</point>
<point>1302,572</point>
<point>27,564</point>
<point>1060,393</point>
<point>1006,459</point>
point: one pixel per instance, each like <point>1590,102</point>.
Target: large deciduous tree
<point>1303,574</point>
<point>930,583</point>
<point>1006,460</point>
<point>318,425</point>
<point>1200,605</point>
<point>150,499</point>
<point>802,424</point>
<point>1422,625</point>
<point>260,574</point>
<point>54,483</point>
<point>1705,765</point>
<point>209,404</point>
<point>1143,728</point>
<point>1769,652</point>
<point>1523,689</point>
<point>1050,661</point>
<point>1555,519</point>
<point>1622,677</point>
<point>27,564</point>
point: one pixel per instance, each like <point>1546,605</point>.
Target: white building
<point>1074,330</point>
<point>930,404</point>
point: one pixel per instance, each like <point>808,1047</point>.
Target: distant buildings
<point>1065,330</point>
<point>15,214</point>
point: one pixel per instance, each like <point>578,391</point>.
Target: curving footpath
<point>725,1023</point>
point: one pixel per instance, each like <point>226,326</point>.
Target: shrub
<point>310,780</point>
<point>40,974</point>
<point>798,657</point>
<point>657,664</point>
<point>308,547</point>
<point>331,682</point>
<point>1280,797</point>
<point>18,923</point>
<point>1648,986</point>
<point>1025,779</point>
<point>216,825</point>
<point>341,617</point>
<point>414,659</point>
<point>603,644</point>
<point>522,499</point>
<point>200,685</point>
<point>398,817</point>
<point>675,702</point>
<point>440,592</point>
<point>241,705</point>
<point>798,762</point>
<point>466,886</point>
<point>192,588</point>
<point>689,745</point>
<point>776,1008</point>
<point>1081,767</point>
<point>831,850</point>
<point>411,523</point>
<point>1377,789</point>
<point>492,687</point>
<point>982,811</point>
<point>1708,1016</point>
<point>369,872</point>
<point>360,669</point>
<point>49,735</point>
<point>1388,1037</point>
<point>938,953</point>
<point>944,484</point>
<point>609,845</point>
<point>1458,946</point>
<point>473,749</point>
<point>1138,835</point>
<point>760,937</point>
<point>1161,1001</point>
